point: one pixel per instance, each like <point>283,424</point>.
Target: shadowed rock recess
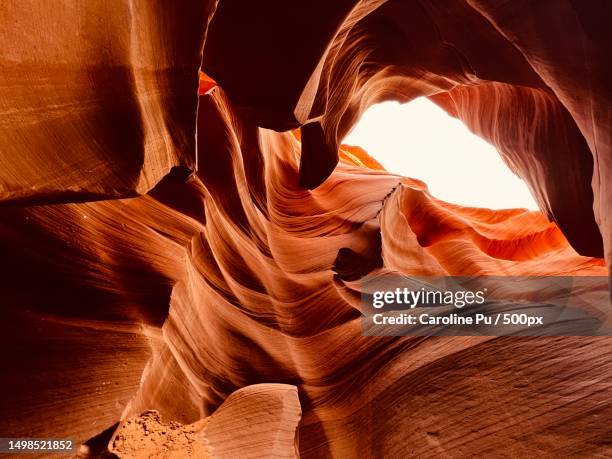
<point>188,261</point>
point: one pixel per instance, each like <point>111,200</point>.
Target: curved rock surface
<point>242,266</point>
<point>255,421</point>
<point>96,100</point>
<point>531,79</point>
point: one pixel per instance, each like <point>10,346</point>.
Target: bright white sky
<point>420,140</point>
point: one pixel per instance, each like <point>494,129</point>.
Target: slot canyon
<point>183,232</point>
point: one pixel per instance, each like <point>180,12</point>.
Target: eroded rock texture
<point>255,421</point>
<point>243,267</point>
<point>97,98</point>
<point>531,77</point>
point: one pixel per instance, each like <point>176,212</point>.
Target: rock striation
<point>173,240</point>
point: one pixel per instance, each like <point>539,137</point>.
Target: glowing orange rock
<point>187,281</point>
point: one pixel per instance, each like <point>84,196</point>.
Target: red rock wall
<point>242,267</point>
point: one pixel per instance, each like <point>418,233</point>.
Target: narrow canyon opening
<point>420,140</point>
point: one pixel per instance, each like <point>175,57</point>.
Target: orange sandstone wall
<point>164,249</point>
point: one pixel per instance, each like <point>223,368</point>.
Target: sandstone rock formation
<point>164,247</point>
<point>255,421</point>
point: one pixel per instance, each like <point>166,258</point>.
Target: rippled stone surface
<point>164,249</point>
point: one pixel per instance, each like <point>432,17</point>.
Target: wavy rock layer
<point>96,101</point>
<point>530,77</point>
<point>238,276</point>
<point>242,266</point>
